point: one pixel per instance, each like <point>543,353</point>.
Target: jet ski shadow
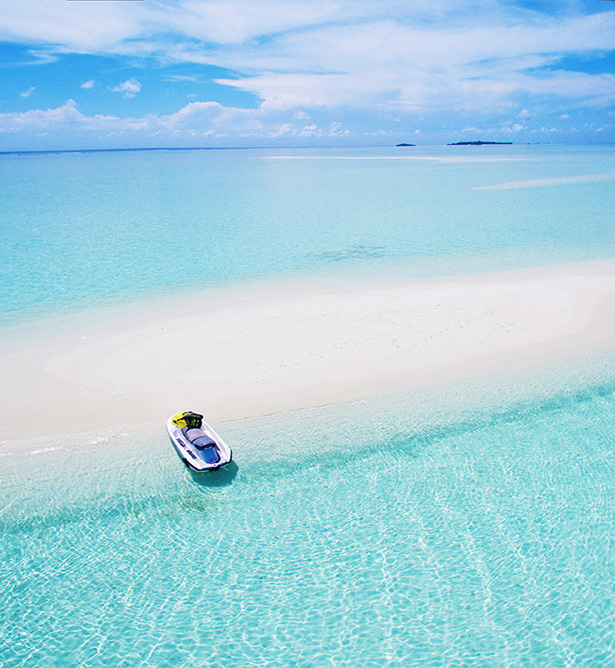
<point>219,478</point>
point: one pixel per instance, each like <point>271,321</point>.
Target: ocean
<point>469,524</point>
<point>80,230</point>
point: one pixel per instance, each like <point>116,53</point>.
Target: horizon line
<point>269,148</point>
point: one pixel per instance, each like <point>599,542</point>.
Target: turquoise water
<point>83,229</point>
<point>461,526</point>
<point>361,535</point>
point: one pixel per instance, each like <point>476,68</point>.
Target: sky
<point>77,74</point>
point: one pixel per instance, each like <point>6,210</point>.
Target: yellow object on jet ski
<point>187,419</point>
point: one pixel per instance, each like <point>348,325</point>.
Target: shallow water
<point>386,532</point>
<point>85,229</point>
<point>456,526</point>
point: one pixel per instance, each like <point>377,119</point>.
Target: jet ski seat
<point>199,438</point>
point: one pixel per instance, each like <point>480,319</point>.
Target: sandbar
<point>274,348</point>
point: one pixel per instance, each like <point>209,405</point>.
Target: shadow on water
<point>122,507</point>
<point>219,478</point>
<point>174,501</point>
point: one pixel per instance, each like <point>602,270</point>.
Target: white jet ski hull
<point>192,457</point>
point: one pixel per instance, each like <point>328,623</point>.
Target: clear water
<point>83,229</point>
<point>361,535</point>
<point>458,527</point>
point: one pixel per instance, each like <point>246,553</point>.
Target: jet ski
<point>197,444</point>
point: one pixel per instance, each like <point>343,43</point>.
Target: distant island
<point>405,144</point>
<point>479,143</point>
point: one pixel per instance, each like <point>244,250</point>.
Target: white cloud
<point>284,130</point>
<point>309,56</point>
<point>129,88</point>
<point>287,91</point>
<point>27,93</point>
<point>194,120</point>
<point>200,115</point>
<point>513,127</point>
<point>39,119</point>
<point>88,84</point>
<point>309,130</point>
<point>389,64</point>
<point>336,130</point>
<point>72,26</point>
<point>236,21</point>
<point>181,77</point>
<point>131,29</point>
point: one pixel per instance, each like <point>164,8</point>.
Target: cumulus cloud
<point>283,131</point>
<point>39,119</point>
<point>27,93</point>
<point>205,118</point>
<point>303,58</point>
<point>210,116</point>
<point>336,130</point>
<point>128,88</point>
<point>514,127</point>
<point>194,121</point>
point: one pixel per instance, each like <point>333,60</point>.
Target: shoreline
<point>269,349</point>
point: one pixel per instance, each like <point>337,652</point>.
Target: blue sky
<point>125,74</point>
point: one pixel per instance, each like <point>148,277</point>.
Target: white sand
<point>271,349</point>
